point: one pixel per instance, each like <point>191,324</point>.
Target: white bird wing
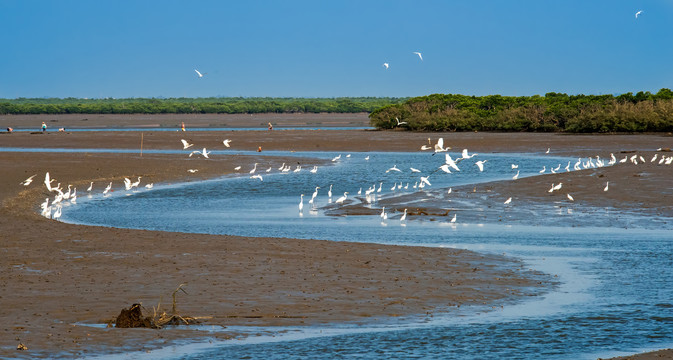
<point>419,55</point>
<point>198,73</point>
<point>465,155</point>
<point>226,142</point>
<point>450,162</point>
<point>440,145</point>
<point>185,144</point>
<point>480,165</point>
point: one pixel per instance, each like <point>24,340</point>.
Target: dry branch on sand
<point>133,317</point>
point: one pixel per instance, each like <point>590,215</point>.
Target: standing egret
<point>453,220</point>
<point>107,188</point>
<point>508,201</point>
<point>315,193</point>
<point>314,170</point>
<point>329,192</point>
<point>404,216</point>
<point>90,187</point>
<point>367,158</point>
<point>570,197</point>
<point>383,213</point>
<point>606,186</point>
<point>149,186</point>
<point>253,169</point>
<point>544,168</point>
<point>342,199</point>
<point>301,203</point>
<point>516,176</point>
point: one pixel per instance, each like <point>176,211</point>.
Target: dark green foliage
<point>642,112</point>
<point>193,105</point>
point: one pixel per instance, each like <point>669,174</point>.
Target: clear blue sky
<point>148,48</point>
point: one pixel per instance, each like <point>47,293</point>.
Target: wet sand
<point>57,275</point>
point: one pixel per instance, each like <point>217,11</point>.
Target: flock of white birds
<point>52,208</point>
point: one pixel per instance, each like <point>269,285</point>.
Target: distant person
<point>44,127</point>
<point>183,126</point>
<point>9,129</point>
<point>61,129</point>
<point>270,126</point>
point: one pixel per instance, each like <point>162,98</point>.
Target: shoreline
<point>39,285</point>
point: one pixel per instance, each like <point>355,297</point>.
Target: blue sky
<point>318,48</point>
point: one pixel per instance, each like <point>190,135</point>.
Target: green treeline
<point>642,112</point>
<point>213,105</point>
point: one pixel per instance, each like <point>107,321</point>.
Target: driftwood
<point>133,317</point>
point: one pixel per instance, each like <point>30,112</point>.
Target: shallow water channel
<point>615,295</point>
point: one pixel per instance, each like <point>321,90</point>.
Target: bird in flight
<point>638,13</point>
<point>386,65</point>
<point>198,73</point>
<point>226,142</point>
<point>185,144</point>
<point>419,55</point>
<point>28,181</point>
<point>400,122</point>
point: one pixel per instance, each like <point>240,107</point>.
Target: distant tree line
<point>642,112</point>
<point>212,105</point>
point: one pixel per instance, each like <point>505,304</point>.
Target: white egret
<point>90,187</point>
<point>400,122</point>
<point>360,191</point>
<point>638,13</point>
<point>269,169</point>
<point>336,158</point>
<point>301,203</point>
<point>420,56</point>
<point>508,201</point>
<point>127,184</point>
<point>136,183</point>
<point>28,181</point>
<point>547,152</point>
<point>607,184</point>
<point>367,158</point>
<point>480,164</point>
<point>73,197</point>
<point>149,186</point>
<point>342,199</point>
<point>386,65</point>
<point>57,213</point>
<point>516,176</point>
<point>450,191</point>
<point>257,177</point>
<point>185,144</point>
<point>394,168</point>
<point>237,168</point>
<point>107,188</point>
<point>47,181</point>
<point>424,179</point>
<point>445,168</point>
<point>192,170</point>
<point>515,166</point>
<point>281,167</point>
<point>450,162</point>
<point>425,147</point>
<point>380,186</point>
<point>465,155</point>
<point>383,212</point>
<point>544,168</point>
<point>551,189</point>
<point>253,169</point>
<point>404,216</point>
<point>198,73</point>
<point>315,193</point>
<point>329,192</point>
<point>570,197</point>
<point>439,146</point>
<point>558,186</point>
<point>453,220</point>
<point>226,142</point>
<point>314,170</point>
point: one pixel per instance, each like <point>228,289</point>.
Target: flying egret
<point>192,170</point>
<point>400,122</point>
<point>28,181</point>
<point>515,166</point>
<point>386,65</point>
<point>257,177</point>
<point>336,158</point>
<point>480,164</point>
<point>465,155</point>
<point>424,179</point>
<point>202,152</point>
<point>508,201</point>
<point>450,162</point>
<point>445,168</point>
<point>439,146</point>
<point>226,142</point>
<point>185,144</point>
<point>425,147</point>
<point>419,55</point>
<point>236,168</point>
<point>198,74</point>
<point>342,199</point>
<point>47,181</point>
<point>638,13</point>
<point>127,184</point>
<point>394,168</point>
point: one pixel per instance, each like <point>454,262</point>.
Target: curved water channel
<point>615,295</point>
